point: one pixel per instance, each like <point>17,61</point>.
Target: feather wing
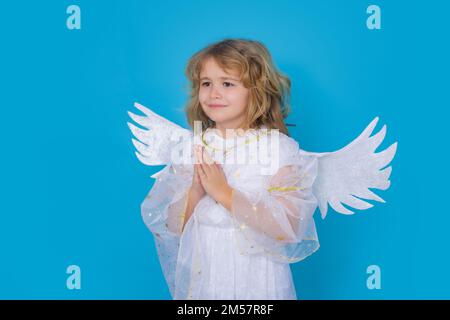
<point>345,176</point>
<point>155,142</point>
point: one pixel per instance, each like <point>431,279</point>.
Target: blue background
<point>71,186</point>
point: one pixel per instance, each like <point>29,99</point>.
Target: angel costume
<point>245,253</point>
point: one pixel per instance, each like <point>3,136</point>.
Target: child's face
<point>224,89</point>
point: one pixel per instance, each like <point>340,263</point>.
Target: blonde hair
<point>269,89</point>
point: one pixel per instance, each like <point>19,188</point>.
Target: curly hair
<point>269,89</point>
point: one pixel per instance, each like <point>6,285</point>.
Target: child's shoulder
<point>286,143</point>
<point>287,149</point>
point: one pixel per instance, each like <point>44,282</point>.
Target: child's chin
<point>217,118</point>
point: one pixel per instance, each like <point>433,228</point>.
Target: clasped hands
<point>209,178</point>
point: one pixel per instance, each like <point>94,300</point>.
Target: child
<point>229,229</point>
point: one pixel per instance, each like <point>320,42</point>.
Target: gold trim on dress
<point>183,213</point>
<point>247,141</point>
<point>283,188</point>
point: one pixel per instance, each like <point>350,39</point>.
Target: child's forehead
<point>210,68</point>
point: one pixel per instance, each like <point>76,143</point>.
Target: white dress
<point>245,253</point>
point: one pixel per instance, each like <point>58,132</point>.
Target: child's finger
<point>207,157</point>
<point>197,155</point>
<point>196,173</point>
<point>203,155</point>
<point>201,172</point>
<point>218,165</point>
<point>205,165</point>
<point>208,161</point>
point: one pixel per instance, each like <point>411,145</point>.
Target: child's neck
<point>227,133</point>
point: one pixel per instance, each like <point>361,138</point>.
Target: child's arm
<point>177,218</point>
<point>281,215</point>
<point>263,219</point>
<point>168,204</point>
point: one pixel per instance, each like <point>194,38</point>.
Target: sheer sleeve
<point>278,221</point>
<point>163,211</point>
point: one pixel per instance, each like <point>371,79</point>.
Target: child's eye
<point>227,84</point>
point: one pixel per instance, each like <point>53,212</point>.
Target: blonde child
<point>229,229</point>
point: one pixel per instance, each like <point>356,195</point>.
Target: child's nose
<point>215,92</point>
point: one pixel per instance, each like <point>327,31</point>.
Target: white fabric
<point>214,257</point>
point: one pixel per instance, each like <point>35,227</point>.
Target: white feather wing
<point>345,176</point>
<point>155,142</point>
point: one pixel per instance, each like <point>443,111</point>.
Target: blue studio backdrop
<point>71,186</point>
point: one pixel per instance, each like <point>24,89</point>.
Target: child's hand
<point>212,177</point>
<point>196,186</point>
